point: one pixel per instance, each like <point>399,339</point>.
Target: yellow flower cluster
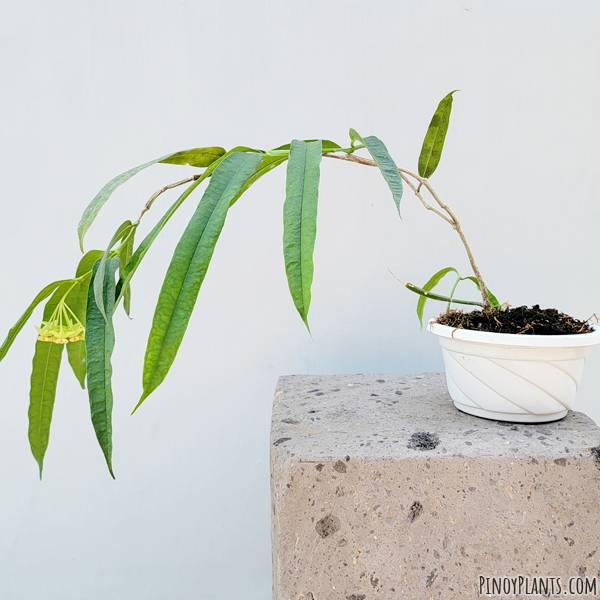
<point>62,327</point>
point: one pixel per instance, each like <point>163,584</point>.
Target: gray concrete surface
<point>381,489</point>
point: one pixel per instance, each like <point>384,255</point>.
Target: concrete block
<point>381,489</point>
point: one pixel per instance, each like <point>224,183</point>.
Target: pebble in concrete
<point>381,489</point>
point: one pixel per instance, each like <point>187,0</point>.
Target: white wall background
<point>90,89</point>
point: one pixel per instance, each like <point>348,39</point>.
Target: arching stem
<point>449,215</point>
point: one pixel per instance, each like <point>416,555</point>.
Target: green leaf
<point>435,279</point>
<point>242,149</point>
<point>267,163</point>
<point>354,136</point>
<point>99,345</point>
<point>87,262</point>
<point>16,328</point>
<point>425,292</point>
<point>77,301</point>
<point>44,376</point>
<point>431,152</point>
<point>93,208</point>
<point>77,360</point>
<point>328,146</point>
<point>129,271</point>
<point>125,256</point>
<point>493,300</point>
<point>189,265</point>
<point>300,220</point>
<point>385,162</point>
<point>99,281</point>
<point>142,249</point>
<point>198,157</point>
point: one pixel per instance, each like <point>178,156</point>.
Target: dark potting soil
<point>522,320</point>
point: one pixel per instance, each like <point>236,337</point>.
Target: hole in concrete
<point>356,597</point>
<point>423,440</point>
<point>340,467</point>
<point>280,441</point>
<point>328,526</point>
<point>415,511</point>
<point>596,455</point>
<point>562,462</point>
<point>431,578</point>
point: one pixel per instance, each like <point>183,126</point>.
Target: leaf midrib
<point>188,266</point>
<point>43,389</point>
<point>301,229</point>
<point>430,154</point>
<point>104,414</point>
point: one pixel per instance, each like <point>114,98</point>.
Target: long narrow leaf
<point>300,220</point>
<point>425,294</point>
<point>99,281</point>
<point>77,359</point>
<point>267,163</point>
<point>435,279</point>
<point>433,144</point>
<point>493,300</point>
<point>124,257</point>
<point>93,208</point>
<point>16,328</point>
<point>328,146</point>
<point>142,249</point>
<point>198,157</point>
<point>129,271</point>
<point>99,345</point>
<point>454,286</point>
<point>77,301</point>
<point>44,376</point>
<point>385,162</point>
<point>189,265</point>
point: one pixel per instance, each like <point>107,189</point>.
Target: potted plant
<point>479,363</point>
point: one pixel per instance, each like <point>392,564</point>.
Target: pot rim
<point>514,339</point>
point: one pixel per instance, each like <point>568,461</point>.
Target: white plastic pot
<point>509,377</point>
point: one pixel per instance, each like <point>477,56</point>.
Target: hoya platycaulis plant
<point>79,312</point>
